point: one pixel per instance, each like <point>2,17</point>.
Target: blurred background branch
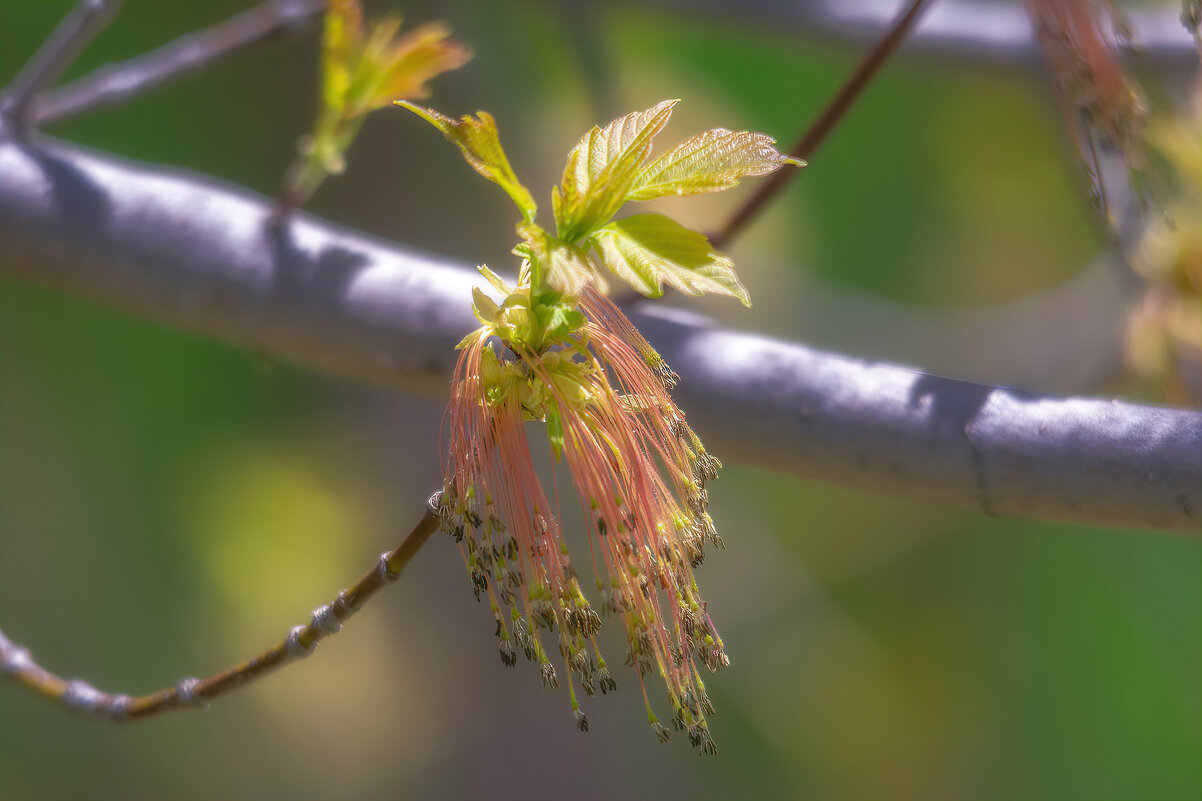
<point>194,254</point>
<point>119,83</point>
<point>993,31</point>
<point>53,58</point>
<point>826,121</point>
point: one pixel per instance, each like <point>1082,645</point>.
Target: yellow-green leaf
<point>415,58</point>
<point>497,282</point>
<point>342,38</point>
<point>601,169</point>
<point>560,265</point>
<point>650,250</point>
<point>478,140</point>
<point>709,162</point>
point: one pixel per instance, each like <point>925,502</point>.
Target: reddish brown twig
<point>818,131</point>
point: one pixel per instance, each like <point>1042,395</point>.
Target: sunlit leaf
<point>481,147</point>
<point>601,169</point>
<point>650,250</point>
<point>562,265</point>
<point>709,162</point>
<point>497,282</point>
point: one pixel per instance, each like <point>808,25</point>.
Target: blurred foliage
<point>168,504</point>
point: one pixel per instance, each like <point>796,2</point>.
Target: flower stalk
<point>554,349</point>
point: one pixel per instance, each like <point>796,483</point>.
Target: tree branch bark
<point>196,254</point>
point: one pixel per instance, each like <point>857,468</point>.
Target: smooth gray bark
<point>196,254</point>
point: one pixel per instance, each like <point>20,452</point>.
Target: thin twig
<point>816,134</point>
<point>120,83</point>
<point>77,695</point>
<point>55,55</point>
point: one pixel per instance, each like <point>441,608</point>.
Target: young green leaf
<point>561,266</point>
<point>709,162</point>
<point>477,139</point>
<point>649,250</point>
<point>601,169</point>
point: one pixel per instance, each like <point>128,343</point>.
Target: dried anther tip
<point>550,680</point>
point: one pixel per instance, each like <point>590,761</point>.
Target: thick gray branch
<point>195,254</point>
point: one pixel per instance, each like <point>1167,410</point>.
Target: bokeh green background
<point>169,505</point>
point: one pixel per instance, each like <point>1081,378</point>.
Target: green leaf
<point>561,266</point>
<point>709,162</point>
<point>601,169</point>
<point>422,54</point>
<point>650,250</point>
<point>478,140</point>
<point>497,282</point>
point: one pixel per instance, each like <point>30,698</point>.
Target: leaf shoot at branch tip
<point>364,70</point>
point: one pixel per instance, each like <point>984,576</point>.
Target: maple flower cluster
<point>554,349</point>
